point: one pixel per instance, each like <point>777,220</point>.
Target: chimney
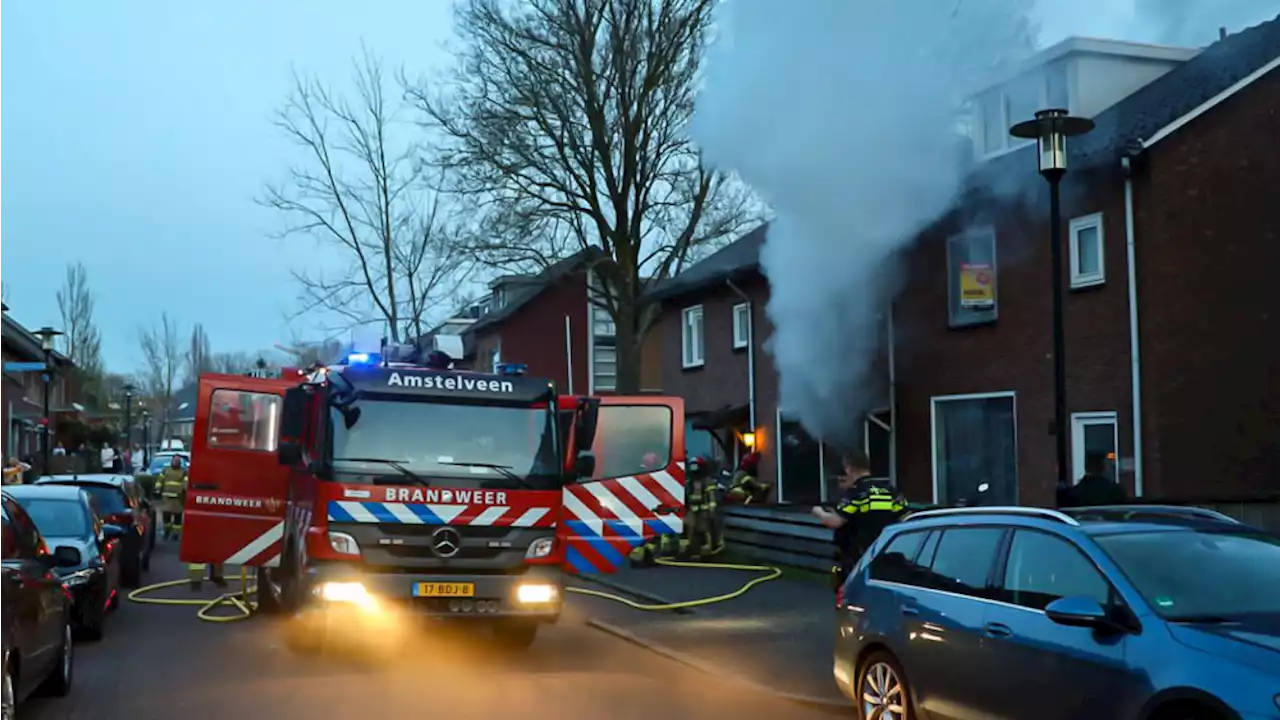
<point>1222,33</point>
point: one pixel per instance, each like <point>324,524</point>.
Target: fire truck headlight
<point>343,543</point>
<point>352,593</point>
<point>540,548</point>
<point>535,593</point>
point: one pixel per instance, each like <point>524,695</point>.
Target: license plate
<point>444,589</point>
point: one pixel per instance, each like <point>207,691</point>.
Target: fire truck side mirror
<point>584,465</point>
<point>584,431</point>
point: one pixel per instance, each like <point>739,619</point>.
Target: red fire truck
<point>451,493</point>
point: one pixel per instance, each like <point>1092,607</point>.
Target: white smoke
<point>843,115</point>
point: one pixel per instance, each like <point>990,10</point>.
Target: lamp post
<point>146,438</point>
<point>128,421</point>
<point>47,336</point>
<point>1050,129</point>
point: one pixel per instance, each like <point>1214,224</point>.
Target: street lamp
<point>128,418</point>
<point>1050,129</point>
<point>146,437</point>
<point>47,336</point>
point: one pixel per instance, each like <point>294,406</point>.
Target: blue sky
<point>136,135</point>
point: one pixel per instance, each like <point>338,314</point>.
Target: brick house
<point>545,321</point>
<point>714,335</point>
<point>1178,171</point>
<point>22,402</point>
<point>1170,379</point>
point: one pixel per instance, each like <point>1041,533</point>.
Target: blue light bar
<point>512,368</point>
<point>358,358</point>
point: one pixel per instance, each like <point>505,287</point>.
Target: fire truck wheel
<point>515,634</point>
<point>268,593</point>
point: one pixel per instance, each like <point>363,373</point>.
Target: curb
<point>835,707</point>
<point>643,595</point>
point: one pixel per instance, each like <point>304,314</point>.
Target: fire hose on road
<point>240,600</point>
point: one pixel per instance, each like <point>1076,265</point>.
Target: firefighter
<point>867,505</point>
<point>745,487</point>
<point>172,485</point>
<point>701,537</point>
<point>700,532</point>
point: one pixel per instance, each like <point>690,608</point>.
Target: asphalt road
<point>162,662</point>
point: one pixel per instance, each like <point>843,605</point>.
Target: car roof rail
<point>1044,513</point>
<point>1127,512</point>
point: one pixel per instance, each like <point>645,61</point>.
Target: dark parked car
<point>64,515</point>
<point>1127,612</point>
<point>36,622</point>
<point>118,501</point>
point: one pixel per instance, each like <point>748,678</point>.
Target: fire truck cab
<point>437,491</point>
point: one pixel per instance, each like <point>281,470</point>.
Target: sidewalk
<point>779,635</point>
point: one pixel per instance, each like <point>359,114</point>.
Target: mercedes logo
<point>446,542</point>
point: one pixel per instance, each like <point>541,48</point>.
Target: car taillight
<point>840,596</point>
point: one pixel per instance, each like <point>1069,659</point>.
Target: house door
<point>1094,442</point>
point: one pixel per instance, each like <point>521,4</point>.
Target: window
<point>632,439</point>
<point>895,562</point>
<point>26,541</point>
<point>971,278</point>
<point>994,128</point>
<point>741,325</point>
<point>58,518</point>
<point>495,359</point>
<point>1042,568</point>
<point>691,337</point>
<point>1057,93</point>
<point>1002,107</point>
<point>241,420</point>
<point>1094,444</point>
<point>605,367</point>
<point>963,560</point>
<point>975,442</point>
<point>1023,99</point>
<point>1087,268</point>
<point>1185,573</point>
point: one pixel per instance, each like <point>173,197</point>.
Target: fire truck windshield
<point>455,445</point>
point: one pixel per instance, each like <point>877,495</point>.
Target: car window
<point>9,541</point>
<point>29,543</point>
<point>58,518</point>
<point>894,563</point>
<point>1188,574</point>
<point>963,560</point>
<point>107,499</point>
<point>1042,568</point>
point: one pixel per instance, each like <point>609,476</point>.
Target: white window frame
<point>1011,143</point>
<point>495,359</point>
<point>1081,420</point>
<point>933,430</point>
<point>741,331</point>
<point>1081,279</point>
<point>693,350</point>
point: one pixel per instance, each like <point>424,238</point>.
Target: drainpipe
<point>1134,358</point>
<point>751,352</point>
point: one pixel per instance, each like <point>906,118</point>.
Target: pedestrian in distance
<point>1094,488</point>
<point>106,457</point>
<point>867,505</point>
<point>14,471</point>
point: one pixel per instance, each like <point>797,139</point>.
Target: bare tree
<point>81,340</point>
<point>164,359</point>
<point>566,124</point>
<point>365,190</point>
<point>199,357</point>
<point>232,363</point>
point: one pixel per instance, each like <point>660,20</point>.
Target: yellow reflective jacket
<point>173,482</point>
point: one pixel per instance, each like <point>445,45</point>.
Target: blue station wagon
<point>1126,612</point>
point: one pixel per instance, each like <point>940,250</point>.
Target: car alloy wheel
<point>884,696</point>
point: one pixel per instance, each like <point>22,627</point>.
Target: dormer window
<point>1002,106</point>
